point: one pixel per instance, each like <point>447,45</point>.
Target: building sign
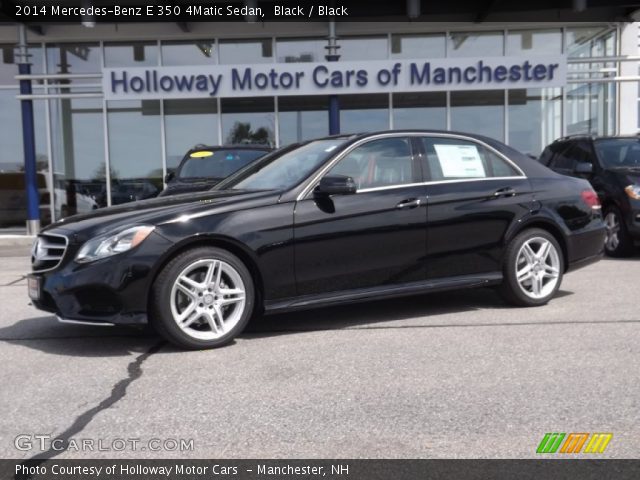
<point>380,76</point>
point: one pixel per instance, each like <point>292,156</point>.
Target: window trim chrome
<point>308,188</point>
<point>66,247</point>
<point>437,182</point>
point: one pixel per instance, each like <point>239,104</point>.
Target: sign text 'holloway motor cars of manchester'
<point>334,77</point>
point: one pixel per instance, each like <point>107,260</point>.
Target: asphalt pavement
<point>455,375</point>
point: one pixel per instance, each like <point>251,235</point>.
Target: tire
<point>538,284</point>
<point>618,242</point>
<point>196,312</point>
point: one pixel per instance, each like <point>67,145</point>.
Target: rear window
<point>216,164</point>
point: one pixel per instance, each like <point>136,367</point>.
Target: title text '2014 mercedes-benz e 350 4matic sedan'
<point>329,221</point>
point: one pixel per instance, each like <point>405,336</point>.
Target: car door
<point>373,237</point>
<point>474,195</point>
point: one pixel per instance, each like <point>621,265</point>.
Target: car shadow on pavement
<point>50,336</point>
<point>381,311</point>
<point>634,258</point>
<point>46,334</point>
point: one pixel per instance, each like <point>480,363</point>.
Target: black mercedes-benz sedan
<point>339,219</point>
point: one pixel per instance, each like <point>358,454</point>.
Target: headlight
<point>633,191</point>
<point>113,244</point>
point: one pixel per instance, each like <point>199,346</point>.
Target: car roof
<point>578,136</point>
<point>265,148</point>
<point>361,135</point>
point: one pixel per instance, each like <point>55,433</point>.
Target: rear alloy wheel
<point>202,299</point>
<point>533,268</point>
<point>618,243</point>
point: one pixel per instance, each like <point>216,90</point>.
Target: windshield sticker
<point>201,154</point>
<point>460,161</point>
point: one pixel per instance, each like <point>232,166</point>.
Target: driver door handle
<point>504,192</point>
<point>409,203</point>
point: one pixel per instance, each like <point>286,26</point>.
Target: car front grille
<point>48,251</point>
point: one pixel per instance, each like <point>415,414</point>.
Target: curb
<point>16,240</point>
<point>15,245</point>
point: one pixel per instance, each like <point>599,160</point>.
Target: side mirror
<point>169,176</point>
<point>583,168</point>
<point>336,185</point>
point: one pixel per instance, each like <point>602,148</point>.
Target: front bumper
<point>111,291</point>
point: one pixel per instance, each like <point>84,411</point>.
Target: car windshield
<point>216,163</point>
<point>284,170</point>
<point>619,152</point>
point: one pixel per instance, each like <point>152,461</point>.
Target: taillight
<point>591,199</point>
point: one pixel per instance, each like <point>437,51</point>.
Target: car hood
<point>158,210</point>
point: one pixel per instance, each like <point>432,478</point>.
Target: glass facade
<point>84,143</point>
<point>188,123</point>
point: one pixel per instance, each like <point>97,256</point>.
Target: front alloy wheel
<point>533,268</point>
<point>207,299</point>
<point>617,243</point>
<point>203,298</point>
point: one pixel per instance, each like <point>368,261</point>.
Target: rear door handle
<point>409,203</point>
<point>504,192</point>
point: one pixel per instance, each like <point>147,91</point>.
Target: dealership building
<point>116,106</point>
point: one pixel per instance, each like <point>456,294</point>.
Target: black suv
<point>612,165</point>
<point>202,167</point>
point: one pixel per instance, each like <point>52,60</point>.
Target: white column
<point>628,97</point>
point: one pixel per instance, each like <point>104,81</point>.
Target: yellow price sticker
<point>201,154</point>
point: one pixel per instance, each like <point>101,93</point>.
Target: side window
<point>545,158</point>
<point>581,152</point>
<point>561,160</point>
<point>452,159</point>
<point>379,163</point>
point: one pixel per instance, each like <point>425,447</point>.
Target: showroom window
<point>191,52</point>
<point>475,44</point>
<point>595,41</point>
<point>418,46</point>
<point>246,51</point>
<point>74,58</point>
<point>590,108</point>
<point>535,118</point>
<point>248,121</point>
<point>134,150</point>
<point>131,54</point>
<point>302,118</point>
<point>13,201</point>
<point>295,50</point>
<point>420,110</point>
<point>188,123</point>
<point>534,42</point>
<point>479,112</point>
<point>363,48</point>
<point>9,63</point>
<point>77,143</point>
<point>364,113</point>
